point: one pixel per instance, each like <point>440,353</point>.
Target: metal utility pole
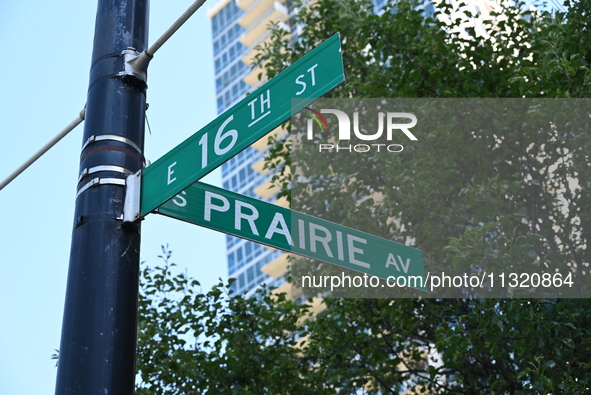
<point>97,351</point>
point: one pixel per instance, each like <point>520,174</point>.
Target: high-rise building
<point>238,27</point>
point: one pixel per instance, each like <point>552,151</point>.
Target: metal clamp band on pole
<point>45,148</point>
<point>131,204</point>
<point>111,137</point>
<point>96,169</point>
<point>101,181</point>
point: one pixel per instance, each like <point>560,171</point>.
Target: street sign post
<point>291,231</point>
<point>256,115</point>
<point>99,331</point>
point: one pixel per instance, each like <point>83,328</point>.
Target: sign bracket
<point>131,204</point>
<point>100,181</point>
<point>116,169</point>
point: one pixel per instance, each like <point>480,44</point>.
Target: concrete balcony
<point>261,145</point>
<point>213,9</point>
<point>267,190</point>
<point>282,202</point>
<point>256,47</point>
<point>257,25</point>
<point>245,4</point>
<point>252,78</point>
<point>259,167</point>
<point>276,268</point>
<point>253,10</point>
<point>285,288</point>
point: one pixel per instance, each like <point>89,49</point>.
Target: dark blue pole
<point>97,351</point>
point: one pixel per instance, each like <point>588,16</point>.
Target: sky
<point>44,67</point>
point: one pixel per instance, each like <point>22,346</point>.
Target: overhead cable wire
<point>141,62</point>
<point>45,148</point>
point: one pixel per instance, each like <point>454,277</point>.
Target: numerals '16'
<point>220,136</point>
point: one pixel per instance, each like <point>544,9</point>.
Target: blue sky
<point>44,66</point>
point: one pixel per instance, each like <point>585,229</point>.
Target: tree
<point>191,342</point>
<point>489,205</point>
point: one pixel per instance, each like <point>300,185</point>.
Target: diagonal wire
<point>141,61</point>
<point>45,148</point>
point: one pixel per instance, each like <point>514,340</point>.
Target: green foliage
<point>191,342</point>
<point>449,195</point>
<point>455,191</point>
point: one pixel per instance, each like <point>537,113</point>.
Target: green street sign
<point>291,231</point>
<point>249,120</point>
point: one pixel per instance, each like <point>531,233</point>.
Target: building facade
<point>238,27</point>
